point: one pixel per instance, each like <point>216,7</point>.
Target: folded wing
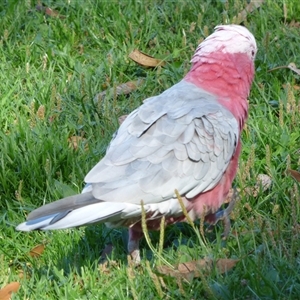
<point>182,139</point>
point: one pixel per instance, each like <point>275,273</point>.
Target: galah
<point>186,139</point>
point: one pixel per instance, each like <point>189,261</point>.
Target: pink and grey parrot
<point>185,139</point>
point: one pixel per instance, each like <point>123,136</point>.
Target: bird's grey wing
<point>182,139</point>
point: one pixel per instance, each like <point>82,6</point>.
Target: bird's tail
<point>72,211</point>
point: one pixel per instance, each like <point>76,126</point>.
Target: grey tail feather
<point>65,204</point>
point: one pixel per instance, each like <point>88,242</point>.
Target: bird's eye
<point>253,53</point>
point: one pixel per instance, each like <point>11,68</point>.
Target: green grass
<point>51,69</point>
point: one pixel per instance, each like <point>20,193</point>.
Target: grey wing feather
<point>72,202</point>
<point>182,139</point>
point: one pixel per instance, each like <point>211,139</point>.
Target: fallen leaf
<point>292,66</point>
<point>193,269</point>
<point>294,174</point>
<point>224,265</point>
<point>242,16</point>
<point>37,250</point>
<point>49,11</point>
<point>6,292</point>
<point>145,60</point>
<point>121,89</point>
<point>188,270</point>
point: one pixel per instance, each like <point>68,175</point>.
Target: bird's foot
<point>133,245</point>
<point>223,215</point>
<point>135,257</point>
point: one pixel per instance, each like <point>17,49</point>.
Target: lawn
<point>55,58</point>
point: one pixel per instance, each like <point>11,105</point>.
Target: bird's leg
<point>223,215</point>
<point>133,244</point>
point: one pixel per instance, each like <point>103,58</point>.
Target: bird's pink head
<point>223,64</point>
<point>227,39</point>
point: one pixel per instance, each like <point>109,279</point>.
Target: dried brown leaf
<point>49,11</point>
<point>294,174</point>
<point>188,274</point>
<point>121,89</point>
<point>224,265</point>
<point>37,250</point>
<point>145,60</point>
<point>6,292</point>
<point>186,270</point>
<point>292,66</point>
<point>242,16</point>
<point>192,269</point>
